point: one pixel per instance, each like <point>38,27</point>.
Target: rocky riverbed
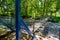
<point>40,29</point>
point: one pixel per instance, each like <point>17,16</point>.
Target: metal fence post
<point>18,26</point>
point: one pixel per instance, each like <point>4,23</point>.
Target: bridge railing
<point>18,20</point>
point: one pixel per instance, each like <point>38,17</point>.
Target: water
<point>53,29</point>
<point>8,19</point>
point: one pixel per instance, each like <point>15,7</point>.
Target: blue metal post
<point>11,28</point>
<point>18,26</point>
<point>25,26</point>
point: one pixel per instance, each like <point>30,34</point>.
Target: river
<point>53,28</point>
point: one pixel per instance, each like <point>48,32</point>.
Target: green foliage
<point>35,9</point>
<point>7,7</point>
